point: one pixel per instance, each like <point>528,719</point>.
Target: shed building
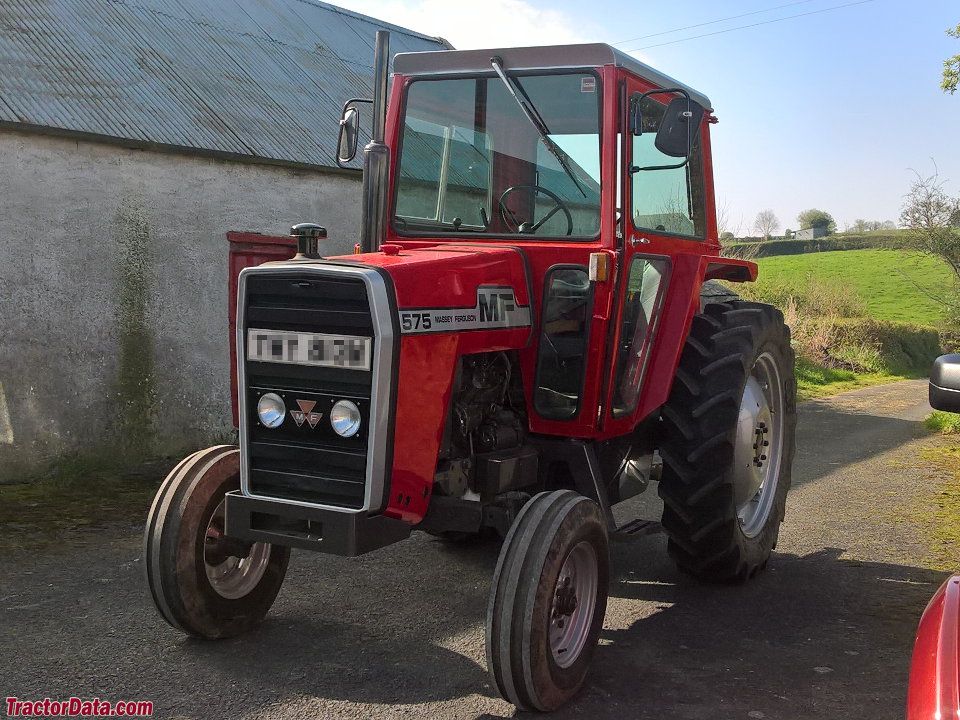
<point>133,136</point>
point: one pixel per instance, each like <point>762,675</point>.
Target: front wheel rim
<point>233,577</point>
<point>573,603</point>
<point>759,445</point>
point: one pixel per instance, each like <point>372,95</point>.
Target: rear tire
<point>727,442</point>
<point>548,600</point>
<point>203,582</point>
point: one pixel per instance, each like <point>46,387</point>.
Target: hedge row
<point>769,248</point>
<point>893,347</point>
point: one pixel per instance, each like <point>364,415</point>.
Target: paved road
<point>825,632</point>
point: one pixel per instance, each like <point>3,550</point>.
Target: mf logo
<point>494,306</point>
<point>306,414</point>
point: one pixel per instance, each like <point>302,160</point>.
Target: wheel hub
<point>217,546</point>
<point>566,601</point>
<point>233,567</point>
<point>760,444</point>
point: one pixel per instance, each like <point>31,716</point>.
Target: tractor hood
<point>456,288</point>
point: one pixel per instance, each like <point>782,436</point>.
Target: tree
<point>724,221</point>
<point>872,225</point>
<point>951,67</point>
<point>814,218</point>
<point>930,215</point>
<point>766,223</point>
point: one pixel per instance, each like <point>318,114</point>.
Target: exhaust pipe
<point>376,155</point>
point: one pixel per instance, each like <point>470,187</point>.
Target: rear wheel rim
<point>573,604</point>
<point>758,445</point>
<point>233,577</point>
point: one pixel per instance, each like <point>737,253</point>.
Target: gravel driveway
<point>825,632</point>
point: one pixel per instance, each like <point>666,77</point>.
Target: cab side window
<point>563,342</point>
<point>665,200</point>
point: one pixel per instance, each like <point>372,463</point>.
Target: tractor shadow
<point>812,636</point>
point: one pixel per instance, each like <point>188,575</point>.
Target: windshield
<point>471,160</point>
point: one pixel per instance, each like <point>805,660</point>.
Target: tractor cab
<point>597,167</point>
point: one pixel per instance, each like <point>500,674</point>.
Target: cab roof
<point>536,58</point>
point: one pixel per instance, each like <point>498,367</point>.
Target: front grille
<point>307,463</point>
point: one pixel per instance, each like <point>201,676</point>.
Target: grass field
<point>886,279</point>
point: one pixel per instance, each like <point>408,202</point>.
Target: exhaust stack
<point>376,155</point>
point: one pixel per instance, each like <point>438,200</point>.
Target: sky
<point>828,104</point>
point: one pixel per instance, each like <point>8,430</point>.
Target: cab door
<point>664,212</point>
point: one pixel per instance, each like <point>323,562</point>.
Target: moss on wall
<point>135,382</point>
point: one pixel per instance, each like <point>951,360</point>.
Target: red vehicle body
<point>428,361</point>
<point>935,672</point>
<point>521,334</point>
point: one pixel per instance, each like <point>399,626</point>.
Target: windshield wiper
<point>526,104</point>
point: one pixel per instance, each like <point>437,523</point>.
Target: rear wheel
<point>727,441</point>
<point>204,582</point>
<point>548,600</point>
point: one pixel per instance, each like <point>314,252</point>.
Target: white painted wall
<point>113,291</point>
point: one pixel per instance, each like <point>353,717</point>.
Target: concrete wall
<point>113,292</point>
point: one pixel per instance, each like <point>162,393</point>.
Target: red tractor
<point>518,345</point>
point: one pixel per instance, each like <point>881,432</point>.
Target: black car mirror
<point>679,127</point>
<point>945,383</point>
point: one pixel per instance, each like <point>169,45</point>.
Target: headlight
<point>271,410</point>
<point>345,418</point>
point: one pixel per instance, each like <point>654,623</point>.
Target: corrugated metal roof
<point>264,78</point>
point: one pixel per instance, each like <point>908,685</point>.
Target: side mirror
<point>945,383</point>
<point>349,134</point>
<point>679,127</point>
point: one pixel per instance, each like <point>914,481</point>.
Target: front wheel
<point>204,582</point>
<point>548,600</point>
<point>727,441</point>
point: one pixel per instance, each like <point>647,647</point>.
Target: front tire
<point>727,441</point>
<point>548,600</point>
<point>203,582</point>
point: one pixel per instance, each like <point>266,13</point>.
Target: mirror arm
<point>635,169</point>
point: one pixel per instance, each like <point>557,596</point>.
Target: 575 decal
<point>411,322</point>
<point>496,309</point>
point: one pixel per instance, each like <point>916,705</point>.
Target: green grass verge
<point>886,279</point>
<point>814,381</point>
<point>940,516</point>
<point>943,422</point>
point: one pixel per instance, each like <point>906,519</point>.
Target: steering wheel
<point>531,227</point>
